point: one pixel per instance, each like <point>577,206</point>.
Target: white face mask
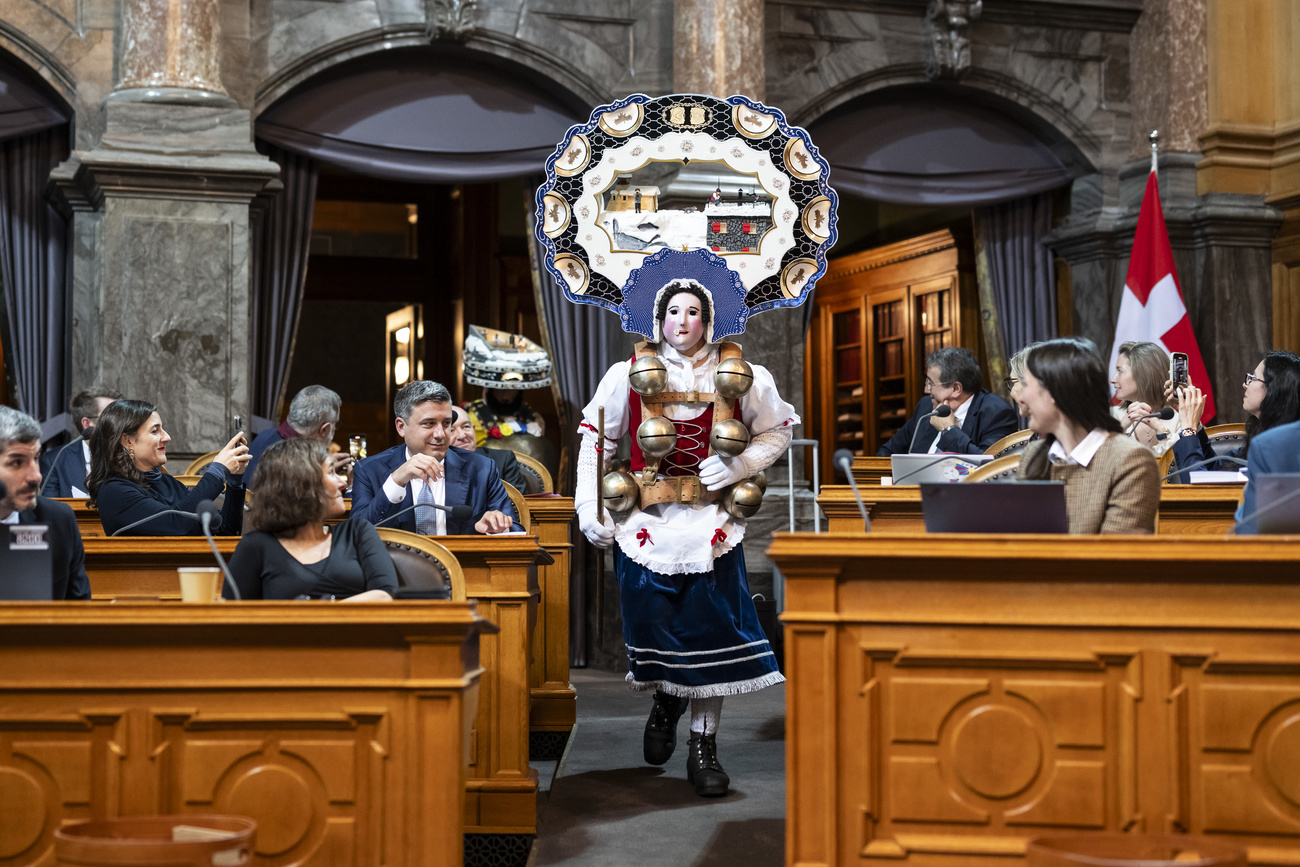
<point>683,324</point>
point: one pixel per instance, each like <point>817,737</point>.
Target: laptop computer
<point>25,563</point>
<point>1277,501</point>
<point>995,507</point>
<point>918,469</point>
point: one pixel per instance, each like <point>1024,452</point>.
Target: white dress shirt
<point>1083,453</point>
<point>396,494</point>
<point>12,519</point>
<point>959,413</point>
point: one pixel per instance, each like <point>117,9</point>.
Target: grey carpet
<point>606,806</point>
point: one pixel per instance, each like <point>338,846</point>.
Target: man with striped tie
<point>425,470</point>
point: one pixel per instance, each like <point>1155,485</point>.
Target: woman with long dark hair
<point>1112,483</point>
<point>289,551</point>
<point>1270,396</point>
<point>126,483</point>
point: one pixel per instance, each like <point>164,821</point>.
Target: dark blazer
<point>988,419</point>
<point>1274,451</point>
<point>67,554</point>
<point>122,502</point>
<point>68,469</point>
<point>507,466</point>
<point>1189,451</point>
<point>260,444</point>
<point>472,480</point>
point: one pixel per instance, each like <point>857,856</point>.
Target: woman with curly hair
<point>290,551</point>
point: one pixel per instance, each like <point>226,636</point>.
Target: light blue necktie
<point>426,520</point>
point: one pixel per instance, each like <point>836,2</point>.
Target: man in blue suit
<point>424,469</point>
<point>979,418</point>
<point>65,475</point>
<point>1274,451</point>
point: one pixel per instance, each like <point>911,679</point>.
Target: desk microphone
<point>942,412</point>
<point>85,437</point>
<point>926,466</point>
<point>460,513</point>
<point>206,511</point>
<point>1164,415</point>
<point>1264,511</point>
<point>148,518</point>
<point>1199,464</point>
<point>843,459</point>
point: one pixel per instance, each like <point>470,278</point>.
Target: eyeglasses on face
<point>1010,382</point>
<point>929,385</point>
<point>1250,377</point>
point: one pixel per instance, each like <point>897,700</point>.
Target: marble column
<point>718,47</point>
<point>160,211</point>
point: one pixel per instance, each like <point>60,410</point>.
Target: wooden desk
<point>1185,510</point>
<point>89,525</point>
<point>554,701</point>
<point>948,701</point>
<point>341,729</point>
<point>870,470</point>
<point>500,574</point>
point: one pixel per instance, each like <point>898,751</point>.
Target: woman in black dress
<point>290,552</point>
<point>126,483</point>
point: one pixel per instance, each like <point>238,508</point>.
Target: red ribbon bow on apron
<point>719,535</point>
<point>643,535</point>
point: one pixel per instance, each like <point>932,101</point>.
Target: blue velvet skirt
<point>695,635</point>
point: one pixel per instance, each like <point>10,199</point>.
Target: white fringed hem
<point>712,690</point>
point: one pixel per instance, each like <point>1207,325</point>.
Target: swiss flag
<point>1152,306</point>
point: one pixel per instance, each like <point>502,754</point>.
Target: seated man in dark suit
<point>979,418</point>
<point>425,469</point>
<point>462,437</point>
<point>1276,450</point>
<point>20,470</point>
<point>313,415</point>
<point>65,475</point>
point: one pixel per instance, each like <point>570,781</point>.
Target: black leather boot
<point>703,769</point>
<point>661,728</point>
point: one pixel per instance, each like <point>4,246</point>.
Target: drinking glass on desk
<point>357,447</point>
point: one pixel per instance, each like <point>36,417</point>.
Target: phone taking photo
<point>237,425</point>
<point>1178,372</point>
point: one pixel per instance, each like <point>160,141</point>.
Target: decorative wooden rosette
<point>718,190</point>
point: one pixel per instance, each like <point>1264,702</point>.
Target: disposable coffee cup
<point>200,583</point>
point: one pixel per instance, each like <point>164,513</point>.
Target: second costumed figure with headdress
<point>704,422</point>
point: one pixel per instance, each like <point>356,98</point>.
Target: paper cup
<point>200,583</point>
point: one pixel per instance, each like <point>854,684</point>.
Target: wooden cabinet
<point>878,315</point>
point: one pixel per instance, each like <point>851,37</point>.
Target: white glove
<point>598,534</point>
<point>716,472</point>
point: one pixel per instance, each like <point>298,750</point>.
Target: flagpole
<point>1155,148</point>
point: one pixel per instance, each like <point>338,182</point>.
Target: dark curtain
<point>1020,269</point>
<point>935,146</point>
<point>281,241</point>
<point>33,244</point>
<point>584,341</point>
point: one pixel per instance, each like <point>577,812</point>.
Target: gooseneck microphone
<point>148,518</point>
<point>1196,466</point>
<point>460,513</point>
<point>1163,414</point>
<point>843,459</point>
<point>942,412</point>
<point>207,510</point>
<point>85,437</point>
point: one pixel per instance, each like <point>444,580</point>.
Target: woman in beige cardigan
<point>1112,483</point>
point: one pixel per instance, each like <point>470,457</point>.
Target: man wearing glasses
<point>979,418</point>
<point>66,475</point>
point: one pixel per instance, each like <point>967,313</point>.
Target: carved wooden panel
<point>977,753</point>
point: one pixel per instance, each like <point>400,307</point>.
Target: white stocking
<point>705,714</point>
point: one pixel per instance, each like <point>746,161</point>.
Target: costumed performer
<point>691,628</point>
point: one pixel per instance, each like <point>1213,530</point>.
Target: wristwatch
<point>1186,432</point>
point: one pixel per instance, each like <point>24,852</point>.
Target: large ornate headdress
<point>723,192</point>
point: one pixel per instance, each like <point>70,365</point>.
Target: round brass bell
<point>619,491</point>
<point>729,437</point>
<point>742,500</point>
<point>733,378</point>
<point>648,376</point>
<point>656,436</point>
<point>760,479</point>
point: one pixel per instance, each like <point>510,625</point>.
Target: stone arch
<point>40,63</point>
<point>567,82</point>
<point>1019,100</point>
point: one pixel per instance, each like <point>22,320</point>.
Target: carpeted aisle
<point>607,807</point>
